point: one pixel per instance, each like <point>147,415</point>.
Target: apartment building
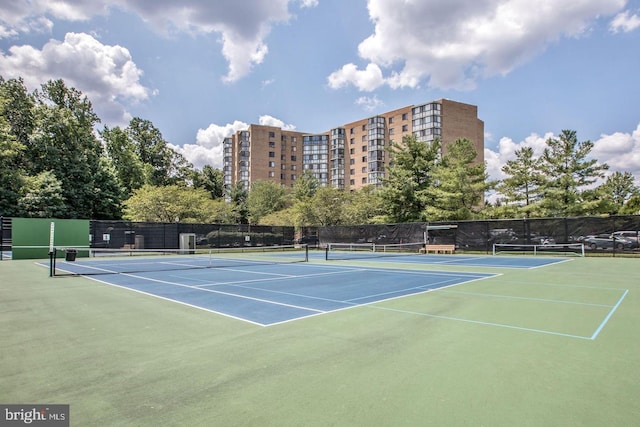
<point>349,156</point>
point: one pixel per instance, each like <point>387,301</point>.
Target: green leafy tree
<point>18,109</point>
<point>264,198</point>
<point>521,188</point>
<point>614,193</point>
<point>127,164</point>
<point>409,177</point>
<point>364,206</point>
<point>210,179</point>
<point>43,197</point>
<point>10,169</point>
<point>162,164</point>
<point>170,203</point>
<point>459,184</point>
<point>238,195</point>
<point>565,163</point>
<point>63,141</point>
<point>326,207</point>
<point>305,187</point>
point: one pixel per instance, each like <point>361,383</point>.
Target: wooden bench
<point>438,249</point>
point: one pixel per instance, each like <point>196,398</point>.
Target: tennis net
<point>337,251</point>
<point>87,262</point>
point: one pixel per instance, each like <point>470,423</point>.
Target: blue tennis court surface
<point>272,294</point>
<point>461,260</point>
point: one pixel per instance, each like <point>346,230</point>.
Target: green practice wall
<point>30,236</point>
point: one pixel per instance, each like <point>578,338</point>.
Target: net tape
<point>70,261</point>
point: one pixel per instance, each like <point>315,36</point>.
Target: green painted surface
<point>505,351</point>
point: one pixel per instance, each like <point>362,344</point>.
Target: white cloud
<point>454,43</point>
<point>624,22</point>
<point>621,151</point>
<point>366,80</point>
<point>308,3</point>
<point>106,74</point>
<point>369,104</point>
<point>267,120</point>
<point>242,25</point>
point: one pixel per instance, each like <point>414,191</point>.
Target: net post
<point>326,252</point>
<point>52,262</point>
<point>306,253</point>
<point>494,250</point>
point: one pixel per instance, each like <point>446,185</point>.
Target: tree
<point>459,184</point>
<point>615,192</point>
<point>64,142</point>
<point>326,207</point>
<point>524,179</point>
<point>168,204</point>
<point>43,197</point>
<point>238,195</point>
<point>210,179</point>
<point>409,177</point>
<point>305,186</point>
<point>264,198</point>
<point>364,206</point>
<point>564,161</point>
<point>127,164</point>
<point>10,169</point>
<point>162,164</point>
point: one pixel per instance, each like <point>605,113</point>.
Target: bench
<point>438,249</point>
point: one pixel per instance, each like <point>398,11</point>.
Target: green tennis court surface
<point>552,345</point>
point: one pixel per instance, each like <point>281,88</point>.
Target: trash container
<point>70,254</point>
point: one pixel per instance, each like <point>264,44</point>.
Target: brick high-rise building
<point>349,156</point>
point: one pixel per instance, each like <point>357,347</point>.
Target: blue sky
<point>202,69</point>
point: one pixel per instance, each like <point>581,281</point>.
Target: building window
<point>272,153</point>
<point>392,131</point>
<point>404,116</point>
<point>364,158</point>
<point>272,144</point>
<point>293,158</point>
<point>294,167</point>
<point>364,127</point>
<point>294,148</point>
<point>272,164</point>
<point>352,182</point>
<point>352,151</point>
<point>390,120</point>
<point>364,180</point>
<point>352,171</point>
<point>272,134</point>
<point>364,138</point>
<point>352,161</point>
<point>405,128</point>
<point>364,169</point>
<point>352,131</point>
<point>352,141</point>
<point>364,148</point>
<point>272,174</point>
<point>293,177</point>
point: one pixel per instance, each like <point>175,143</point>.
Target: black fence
<point>616,234</point>
<point>147,235</point>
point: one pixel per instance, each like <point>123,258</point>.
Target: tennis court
<point>403,340</point>
<point>264,293</point>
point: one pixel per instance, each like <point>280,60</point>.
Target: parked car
<point>607,241</point>
<point>631,235</point>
